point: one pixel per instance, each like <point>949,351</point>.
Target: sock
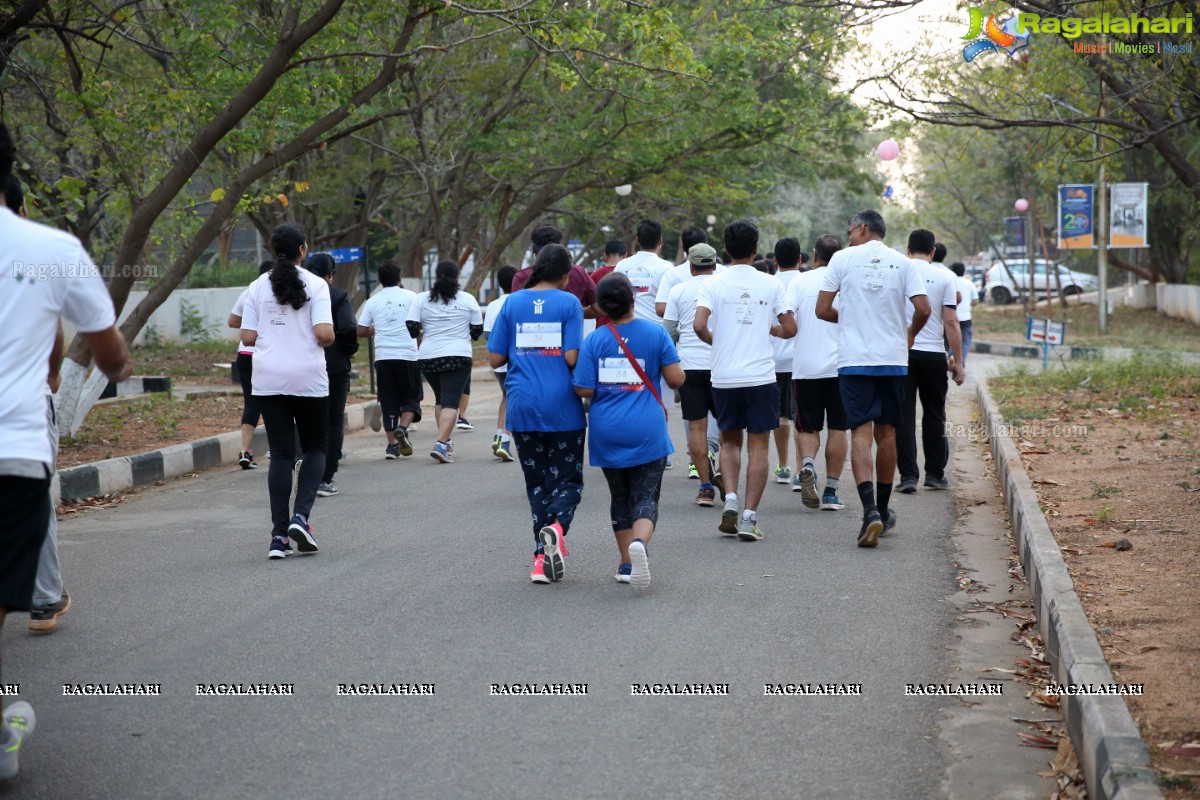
<point>808,462</point>
<point>439,441</point>
<point>730,496</point>
<point>884,490</point>
<point>831,485</point>
<point>500,432</point>
<point>402,428</point>
<point>866,493</point>
<point>704,486</point>
<point>750,515</point>
<point>505,438</point>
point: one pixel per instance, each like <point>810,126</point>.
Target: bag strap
<point>638,368</point>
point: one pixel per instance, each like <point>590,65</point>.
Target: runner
<point>581,284</point>
<point>872,281</point>
<point>445,322</point>
<point>615,251</point>
<point>397,372</point>
<point>815,380</point>
<point>29,317</point>
<point>745,308</point>
<point>337,364</point>
<point>501,442</point>
<point>245,370</point>
<point>695,355</point>
<point>970,296</point>
<point>537,334</point>
<point>620,368</point>
<point>288,321</point>
<point>787,262</point>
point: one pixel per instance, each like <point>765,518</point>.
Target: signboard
<point>1076,225</point>
<point>346,255</point>
<point>1127,215</point>
<point>1046,331</point>
<point>1014,228</point>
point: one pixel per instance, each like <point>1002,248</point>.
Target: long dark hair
<point>552,263</point>
<point>445,282</point>
<point>285,279</point>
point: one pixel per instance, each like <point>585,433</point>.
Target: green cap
<point>702,255</point>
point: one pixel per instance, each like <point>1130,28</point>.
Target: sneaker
<point>246,460</point>
<point>412,426</point>
<point>375,419</point>
<point>326,489</point>
<point>797,485</point>
<point>302,532</point>
<point>623,572</point>
<point>714,475</point>
<point>443,453</point>
<point>554,549</point>
<point>748,530</point>
<point>808,487</point>
<point>907,486</point>
<point>502,452</point>
<point>538,575</point>
<point>392,451</point>
<point>783,475</point>
<point>20,719</point>
<point>495,443</point>
<point>934,483</point>
<point>872,526</point>
<point>44,619</point>
<point>403,441</point>
<point>280,547</point>
<point>889,523</point>
<point>639,559</point>
<point>670,463</point>
<point>706,497</point>
<point>831,502</point>
<point>729,518</point>
<point>693,473</point>
<point>464,425</point>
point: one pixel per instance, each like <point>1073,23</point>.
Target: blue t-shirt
<point>627,426</point>
<point>534,329</point>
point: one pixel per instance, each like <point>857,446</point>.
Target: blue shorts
<point>754,409</point>
<point>872,398</point>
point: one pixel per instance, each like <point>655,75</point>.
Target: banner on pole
<point>1014,227</point>
<point>346,255</point>
<point>1076,225</point>
<point>1127,215</point>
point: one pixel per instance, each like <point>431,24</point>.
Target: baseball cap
<point>702,255</point>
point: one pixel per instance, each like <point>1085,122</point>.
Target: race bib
<point>618,373</point>
<point>640,285</point>
<point>540,338</point>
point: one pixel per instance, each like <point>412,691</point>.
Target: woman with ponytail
<point>445,322</point>
<point>288,320</point>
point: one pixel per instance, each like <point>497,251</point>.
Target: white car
<point>1002,288</point>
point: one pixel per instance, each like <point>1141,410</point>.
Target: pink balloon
<point>1021,205</point>
<point>888,150</point>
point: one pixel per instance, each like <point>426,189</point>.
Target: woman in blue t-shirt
<point>628,422</point>
<point>537,334</point>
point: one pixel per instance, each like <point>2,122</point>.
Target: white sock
<point>749,514</point>
<point>500,432</point>
<point>730,496</point>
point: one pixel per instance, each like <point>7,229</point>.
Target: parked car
<point>1004,289</point>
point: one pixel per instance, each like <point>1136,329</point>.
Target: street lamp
<point>623,190</point>
<point>711,219</point>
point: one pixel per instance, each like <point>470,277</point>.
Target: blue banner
<point>1076,224</point>
<point>346,255</point>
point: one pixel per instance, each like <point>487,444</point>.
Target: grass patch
<point>1134,328</point>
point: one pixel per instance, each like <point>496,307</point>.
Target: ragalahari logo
<point>1003,35</point>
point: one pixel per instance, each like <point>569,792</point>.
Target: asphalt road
<point>423,578</point>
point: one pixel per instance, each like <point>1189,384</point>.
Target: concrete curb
<point>1112,755</point>
<point>1074,353</point>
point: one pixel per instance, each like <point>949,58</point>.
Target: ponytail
<point>552,263</point>
<point>285,279</point>
<point>445,282</point>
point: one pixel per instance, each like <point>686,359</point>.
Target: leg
<point>645,487</point>
<point>967,338</point>
<point>698,447</point>
<point>731,459</point>
<point>933,384</point>
<point>388,380</point>
<point>250,412</point>
<point>781,436</point>
<point>311,415</point>
<point>835,454</point>
<point>620,509</point>
<point>757,466</point>
<point>563,476</point>
<point>807,445</point>
<point>48,586</point>
<point>281,438</point>
<point>532,453</point>
<point>860,452</point>
<point>339,391</point>
<point>906,433</point>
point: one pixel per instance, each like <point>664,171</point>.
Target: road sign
<point>1046,331</point>
<point>345,255</point>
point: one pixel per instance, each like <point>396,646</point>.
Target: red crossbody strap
<point>638,368</point>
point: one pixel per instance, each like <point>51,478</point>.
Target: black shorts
<point>399,390</point>
<point>787,406</point>
<point>250,412</point>
<point>819,402</point>
<point>873,398</point>
<point>754,409</point>
<point>500,377</point>
<point>696,394</point>
<point>26,504</point>
<point>448,377</point>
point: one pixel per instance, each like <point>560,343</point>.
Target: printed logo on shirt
<point>538,305</point>
<point>640,285</point>
<point>618,375</point>
<point>539,338</point>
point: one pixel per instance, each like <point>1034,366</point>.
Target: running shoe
<point>797,484</point>
<point>246,460</point>
<point>639,559</point>
<point>392,451</point>
<point>20,719</point>
<point>890,523</point>
<point>302,532</point>
<point>280,547</point>
<point>729,518</point>
<point>831,502</point>
<point>935,483</point>
<point>872,526</point>
<point>404,442</point>
<point>503,453</point>
<point>44,619</point>
<point>670,463</point>
<point>554,549</point>
<point>783,475</point>
<point>443,453</point>
<point>706,497</point>
<point>495,443</point>
<point>464,425</point>
<point>714,475</point>
<point>808,487</point>
<point>538,575</point>
<point>623,572</point>
<point>907,486</point>
<point>326,489</point>
<point>693,473</point>
<point>748,530</point>
<point>375,418</point>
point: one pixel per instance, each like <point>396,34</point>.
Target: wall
<point>1179,300</point>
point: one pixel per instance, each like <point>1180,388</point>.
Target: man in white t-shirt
<point>502,441</point>
<point>815,385</point>
<point>927,371</point>
<point>871,282</point>
<point>970,296</point>
<point>738,312</point>
<point>397,373</point>
<point>787,261</point>
<point>45,274</point>
<point>689,238</point>
<point>645,269</point>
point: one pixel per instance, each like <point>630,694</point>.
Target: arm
<point>324,333</point>
<point>56,357</point>
<point>497,360</point>
<point>582,392</point>
<point>111,353</point>
<point>366,330</point>
<point>660,308</point>
<point>673,373</point>
<point>249,337</point>
<point>700,325</point>
<point>954,336</point>
<point>591,312</point>
<point>347,331</point>
<point>234,321</point>
<point>786,328</point>
<point>920,317</point>
<point>825,309</point>
<point>571,357</point>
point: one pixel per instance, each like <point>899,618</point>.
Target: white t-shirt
<point>785,349</point>
<point>287,358</point>
<point>489,319</point>
<point>387,310</point>
<point>874,282</point>
<point>645,271</point>
<point>815,348</point>
<point>676,275</point>
<point>694,353</point>
<point>44,274</point>
<point>942,287</point>
<point>745,303</point>
<point>969,295</point>
<point>239,309</point>
<point>447,326</point>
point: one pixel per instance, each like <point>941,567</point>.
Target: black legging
<point>339,390</point>
<point>250,408</point>
<point>634,492</point>
<point>285,416</point>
